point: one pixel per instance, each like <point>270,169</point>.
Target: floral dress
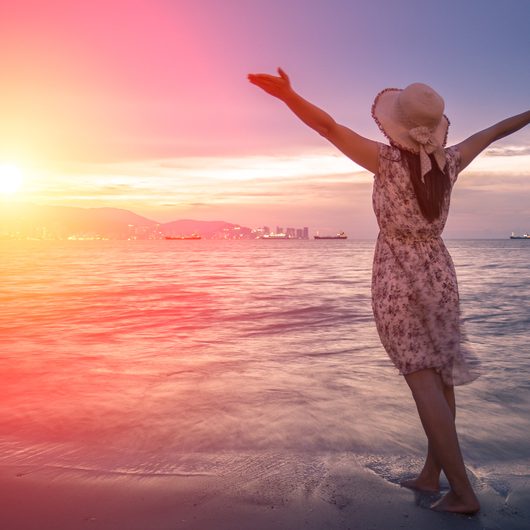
<point>414,289</point>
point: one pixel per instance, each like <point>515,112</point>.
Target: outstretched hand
<point>279,87</point>
<point>361,150</point>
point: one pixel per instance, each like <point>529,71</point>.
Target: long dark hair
<point>431,195</point>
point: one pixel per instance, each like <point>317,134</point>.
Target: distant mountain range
<point>62,222</point>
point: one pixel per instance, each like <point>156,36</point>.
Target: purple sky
<point>145,105</point>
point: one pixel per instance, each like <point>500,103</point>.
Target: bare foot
<point>451,502</point>
<point>421,484</point>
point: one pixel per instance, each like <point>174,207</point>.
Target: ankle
<point>460,485</point>
<point>430,473</point>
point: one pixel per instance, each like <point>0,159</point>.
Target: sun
<point>10,179</point>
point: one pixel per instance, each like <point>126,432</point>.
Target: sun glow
<point>10,179</point>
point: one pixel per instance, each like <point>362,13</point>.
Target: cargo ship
<point>524,236</point>
<point>340,235</point>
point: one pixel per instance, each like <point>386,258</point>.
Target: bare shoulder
<point>361,150</point>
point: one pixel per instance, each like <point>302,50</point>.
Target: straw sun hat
<point>412,119</point>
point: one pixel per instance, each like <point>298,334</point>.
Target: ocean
<point>181,357</point>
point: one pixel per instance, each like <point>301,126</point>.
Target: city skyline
<point>60,223</point>
<point>146,106</point>
<point>21,223</point>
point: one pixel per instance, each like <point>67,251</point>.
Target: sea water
<point>166,357</point>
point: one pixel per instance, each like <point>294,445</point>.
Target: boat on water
<point>183,238</point>
<point>340,235</point>
<point>524,236</point>
<point>275,236</point>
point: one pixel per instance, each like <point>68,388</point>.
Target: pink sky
<point>144,105</point>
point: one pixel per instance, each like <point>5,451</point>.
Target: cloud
<point>490,197</point>
<point>204,179</point>
<point>505,165</point>
<point>508,150</point>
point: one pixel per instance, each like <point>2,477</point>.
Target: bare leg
<point>437,419</point>
<point>429,478</point>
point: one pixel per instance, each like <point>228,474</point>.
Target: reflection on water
<point>135,356</point>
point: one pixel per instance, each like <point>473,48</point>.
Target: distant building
<point>131,232</point>
<point>281,233</point>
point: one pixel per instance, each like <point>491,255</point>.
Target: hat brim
<point>384,112</point>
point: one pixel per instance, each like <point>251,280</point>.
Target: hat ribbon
<point>428,145</point>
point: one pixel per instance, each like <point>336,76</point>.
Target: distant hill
<point>61,222</point>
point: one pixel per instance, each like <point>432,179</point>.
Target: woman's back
<point>394,199</point>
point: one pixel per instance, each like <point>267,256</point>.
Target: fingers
<point>260,80</point>
<point>271,88</point>
<point>274,85</point>
<point>283,75</point>
<point>264,77</point>
<point>267,82</point>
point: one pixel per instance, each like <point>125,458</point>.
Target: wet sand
<point>296,492</point>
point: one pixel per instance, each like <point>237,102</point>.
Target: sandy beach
<point>325,492</point>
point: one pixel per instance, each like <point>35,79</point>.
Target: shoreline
<point>341,495</point>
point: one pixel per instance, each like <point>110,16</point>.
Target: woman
<point>414,289</point>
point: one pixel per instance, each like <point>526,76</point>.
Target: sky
<point>145,105</point>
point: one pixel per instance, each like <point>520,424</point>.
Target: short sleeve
<point>387,155</point>
<point>389,152</point>
<point>453,158</point>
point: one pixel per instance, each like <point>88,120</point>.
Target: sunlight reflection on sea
<point>133,355</point>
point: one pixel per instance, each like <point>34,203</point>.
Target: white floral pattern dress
<point>414,288</point>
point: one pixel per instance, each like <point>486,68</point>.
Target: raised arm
<point>360,149</point>
<point>475,144</point>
